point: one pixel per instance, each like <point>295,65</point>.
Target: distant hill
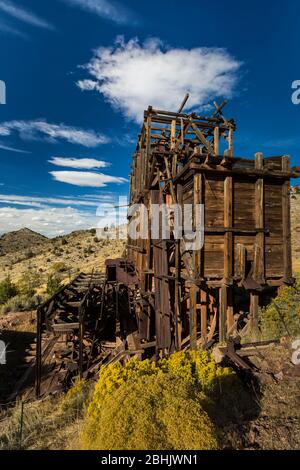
<point>23,239</point>
<point>26,251</point>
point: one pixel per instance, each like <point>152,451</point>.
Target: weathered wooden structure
<point>165,295</point>
<point>192,296</point>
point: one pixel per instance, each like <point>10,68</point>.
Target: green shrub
<point>28,283</point>
<point>21,303</point>
<point>7,290</point>
<point>162,414</point>
<point>53,285</point>
<point>282,316</point>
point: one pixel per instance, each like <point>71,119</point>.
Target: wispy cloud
<point>26,16</point>
<point>54,216</point>
<point>7,28</point>
<point>12,149</point>
<point>87,201</point>
<point>132,76</point>
<point>40,129</point>
<point>111,10</point>
<point>82,163</point>
<point>86,178</point>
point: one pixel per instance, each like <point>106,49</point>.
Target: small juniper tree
<point>7,290</point>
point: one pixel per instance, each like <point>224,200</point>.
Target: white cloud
<point>12,149</point>
<point>108,9</point>
<point>23,15</point>
<point>84,163</point>
<point>50,222</point>
<point>53,221</point>
<point>131,76</point>
<point>86,178</point>
<point>36,201</point>
<point>7,28</point>
<point>40,129</point>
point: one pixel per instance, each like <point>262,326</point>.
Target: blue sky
<point>80,72</point>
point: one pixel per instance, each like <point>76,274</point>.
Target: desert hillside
<point>26,251</point>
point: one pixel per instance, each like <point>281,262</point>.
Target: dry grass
<point>45,426</point>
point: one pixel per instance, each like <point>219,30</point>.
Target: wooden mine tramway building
<point>165,295</point>
<point>195,296</point>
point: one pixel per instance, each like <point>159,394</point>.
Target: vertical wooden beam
<point>198,199</point>
<point>217,140</point>
<point>38,359</point>
<point>203,302</point>
<point>229,315</point>
<point>228,255</point>
<point>254,304</point>
<point>259,251</point>
<point>223,313</point>
<point>230,142</point>
<point>193,316</point>
<point>81,333</point>
<point>241,261</point>
<point>228,221</point>
<point>178,328</point>
<point>179,191</point>
<point>286,225</point>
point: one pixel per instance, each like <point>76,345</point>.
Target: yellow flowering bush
<point>161,414</point>
<point>156,406</point>
<point>198,368</point>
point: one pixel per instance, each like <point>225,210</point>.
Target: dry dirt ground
<point>271,417</point>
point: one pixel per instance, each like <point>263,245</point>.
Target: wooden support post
<point>259,251</point>
<point>286,225</point>
<point>228,221</point>
<point>38,360</point>
<point>254,304</point>
<point>198,199</point>
<point>81,333</point>
<point>230,142</point>
<point>193,316</point>
<point>228,255</point>
<point>177,306</point>
<point>216,140</point>
<point>203,301</point>
<point>241,261</point>
<point>223,313</point>
<point>230,319</point>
